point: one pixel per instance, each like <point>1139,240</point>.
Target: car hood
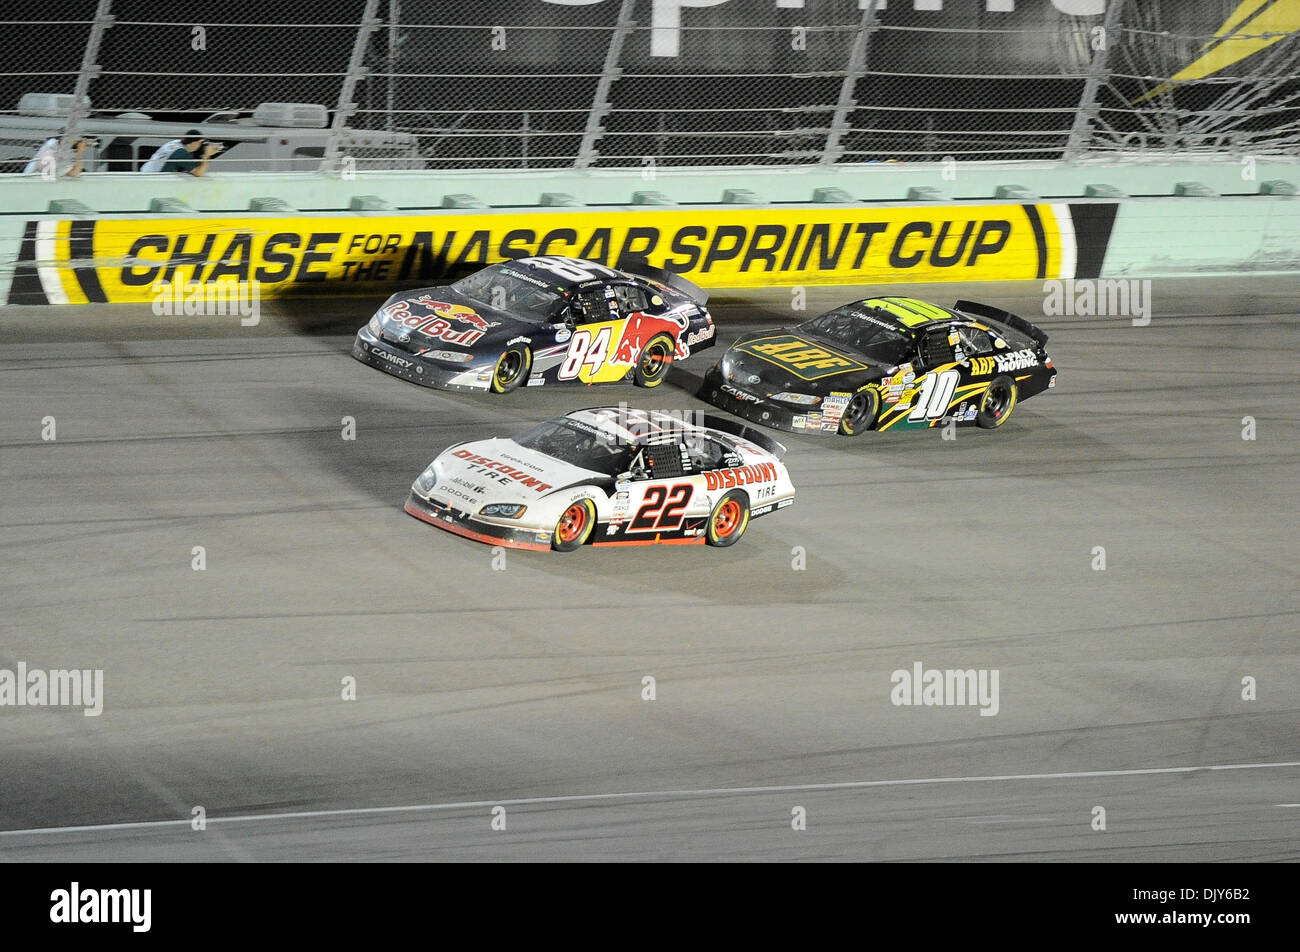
<point>432,316</point>
<point>792,360</point>
<point>500,470</point>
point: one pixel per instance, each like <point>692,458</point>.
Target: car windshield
<point>579,444</point>
<point>860,331</point>
<point>509,288</point>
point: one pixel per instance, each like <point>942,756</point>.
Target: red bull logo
<point>454,312</point>
<point>439,327</point>
<point>639,330</point>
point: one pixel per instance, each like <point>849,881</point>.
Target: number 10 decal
<point>663,510</point>
<point>936,393</point>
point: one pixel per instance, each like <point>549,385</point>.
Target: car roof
<point>630,425</point>
<point>910,313</point>
<point>597,272</point>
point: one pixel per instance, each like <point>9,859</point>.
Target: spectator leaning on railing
<point>179,155</point>
<point>47,157</point>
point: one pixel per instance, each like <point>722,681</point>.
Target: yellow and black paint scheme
<point>969,365</point>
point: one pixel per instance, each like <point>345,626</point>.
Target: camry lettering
<point>392,359</point>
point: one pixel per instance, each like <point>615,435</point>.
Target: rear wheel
<point>575,526</point>
<point>997,403</point>
<point>512,368</point>
<point>656,358</point>
<point>728,520</point>
<point>861,412</point>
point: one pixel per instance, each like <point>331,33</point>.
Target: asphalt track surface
<point>522,687</point>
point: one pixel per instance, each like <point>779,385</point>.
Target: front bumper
<point>446,516</point>
<point>400,363</point>
<point>750,406</point>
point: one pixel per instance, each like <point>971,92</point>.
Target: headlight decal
<point>801,399</point>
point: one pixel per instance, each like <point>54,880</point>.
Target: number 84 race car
<point>606,476</point>
<point>540,320</point>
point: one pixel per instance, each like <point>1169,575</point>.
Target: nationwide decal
<point>740,476</point>
<point>123,258</point>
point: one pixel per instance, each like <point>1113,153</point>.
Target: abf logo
<point>666,15</point>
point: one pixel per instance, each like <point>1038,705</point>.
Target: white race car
<point>607,476</point>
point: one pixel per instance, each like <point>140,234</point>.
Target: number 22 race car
<point>885,363</point>
<point>539,320</point>
<point>606,476</point>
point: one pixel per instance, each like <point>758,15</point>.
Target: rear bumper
<point>463,524</point>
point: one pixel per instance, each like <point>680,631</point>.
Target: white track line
<point>593,797</point>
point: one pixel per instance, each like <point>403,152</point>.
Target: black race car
<point>884,363</point>
<point>539,320</point>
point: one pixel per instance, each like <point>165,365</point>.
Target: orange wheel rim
<point>728,517</point>
<point>573,522</point>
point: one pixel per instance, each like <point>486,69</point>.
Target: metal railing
<point>534,84</point>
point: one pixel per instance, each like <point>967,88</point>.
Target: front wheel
<point>861,412</point>
<point>574,526</point>
<point>997,403</point>
<point>656,358</point>
<point>512,368</point>
<point>728,520</point>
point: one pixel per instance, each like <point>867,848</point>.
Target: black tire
<point>512,369</point>
<point>728,520</point>
<point>997,402</point>
<point>860,414</point>
<point>574,527</point>
<point>656,357</point>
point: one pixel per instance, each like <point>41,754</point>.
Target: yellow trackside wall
<point>716,247</point>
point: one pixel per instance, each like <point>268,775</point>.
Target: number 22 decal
<point>936,393</point>
<point>663,509</point>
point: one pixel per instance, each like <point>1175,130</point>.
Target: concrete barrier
<point>119,238</point>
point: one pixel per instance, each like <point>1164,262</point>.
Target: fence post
<point>852,72</point>
<point>587,153</point>
<point>394,22</point>
<point>347,92</point>
<point>89,70</point>
<point>1081,131</point>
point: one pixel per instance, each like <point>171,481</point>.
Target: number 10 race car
<point>539,320</point>
<point>606,476</point>
<point>885,363</point>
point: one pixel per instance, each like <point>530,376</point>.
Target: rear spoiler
<point>639,266</point>
<point>1003,317</point>
<point>747,433</point>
